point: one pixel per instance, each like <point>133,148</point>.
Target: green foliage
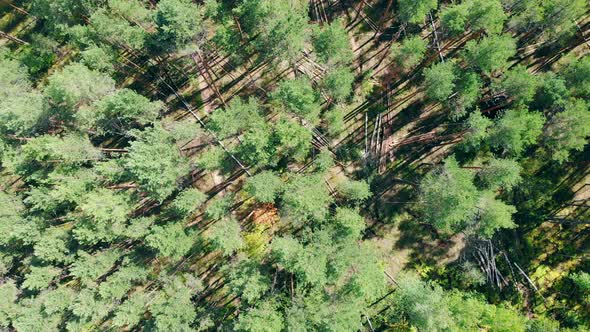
<point>264,187</point>
<point>219,208</point>
<point>356,191</point>
<point>87,307</point>
<point>448,197</point>
<point>577,77</point>
<point>349,222</point>
<point>332,44</point>
<point>40,55</point>
<point>334,120</point>
<point>491,53</point>
<point>97,58</point>
<point>557,16</point>
<point>262,318</point>
<point>454,18</point>
<point>338,83</point>
<point>487,15</point>
<point>156,175</point>
<point>71,149</point>
<point>106,26</point>
<point>476,15</point>
<point>515,130</point>
<point>582,281</point>
<point>518,84</point>
<point>422,304</point>
<point>40,277</point>
<point>292,139</point>
<point>169,240</point>
<point>427,307</point>
<point>323,161</point>
<point>52,246</point>
<point>60,14</point>
<point>76,85</point>
<point>256,148</point>
<point>410,52</point>
<point>178,23</point>
<point>131,312</point>
<point>500,173</point>
<point>120,112</point>
<point>239,116</point>
<point>297,96</point>
<point>188,201</point>
<point>8,293</point>
<point>364,275</point>
<point>493,215</point>
<point>568,130</point>
<point>440,80</point>
<point>120,282</point>
<point>306,197</point>
<point>542,324</point>
<point>172,309</point>
<point>552,92</point>
<point>104,205</point>
<point>65,189</point>
<point>211,159</point>
<point>12,223</point>
<point>247,280</point>
<point>89,267</point>
<point>280,27</point>
<point>104,213</point>
<point>225,235</point>
<point>468,92</point>
<point>414,11</point>
<point>21,107</point>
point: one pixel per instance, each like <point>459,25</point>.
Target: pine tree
<point>225,235</point>
<point>264,187</point>
<point>448,197</point>
<point>516,130</point>
<point>153,164</point>
<point>440,80</point>
<point>414,11</point>
<point>410,52</point>
<point>491,53</point>
<point>332,44</point>
<point>568,130</point>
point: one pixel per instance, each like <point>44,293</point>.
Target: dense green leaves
<point>280,27</point>
<point>448,197</point>
<point>515,130</point>
<point>169,240</point>
<point>410,52</point>
<point>491,53</point>
<point>120,112</point>
<point>264,187</point>
<point>239,116</point>
<point>500,173</point>
<point>568,130</point>
<point>21,107</point>
<point>519,84</point>
<point>153,164</point>
<point>306,197</point>
<point>298,97</point>
<point>178,22</point>
<point>76,85</point>
<point>225,236</point>
<point>115,202</point>
<point>414,11</point>
<point>40,277</point>
<point>332,44</point>
<point>440,80</point>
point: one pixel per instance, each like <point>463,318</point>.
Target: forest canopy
<point>296,165</point>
